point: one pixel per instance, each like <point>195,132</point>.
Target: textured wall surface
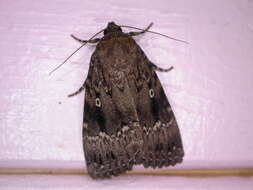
<point>210,88</point>
<point>64,182</point>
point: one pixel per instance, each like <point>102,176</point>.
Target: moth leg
<point>161,69</point>
<point>142,32</point>
<point>78,91</point>
<point>93,41</point>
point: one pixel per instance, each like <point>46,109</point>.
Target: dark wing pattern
<point>112,138</point>
<point>127,117</point>
<point>161,135</point>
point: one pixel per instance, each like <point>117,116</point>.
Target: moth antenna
<point>156,33</point>
<point>75,52</point>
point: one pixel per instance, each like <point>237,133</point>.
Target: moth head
<point>112,27</point>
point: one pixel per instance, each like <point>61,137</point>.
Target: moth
<point>127,119</point>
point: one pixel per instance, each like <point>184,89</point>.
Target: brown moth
<point>127,118</point>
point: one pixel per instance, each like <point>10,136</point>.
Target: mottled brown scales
<point>127,117</point>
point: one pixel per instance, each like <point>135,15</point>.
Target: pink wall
<point>75,182</point>
<point>210,88</point>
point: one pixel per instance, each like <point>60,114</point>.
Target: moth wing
<point>111,146</point>
<point>161,135</point>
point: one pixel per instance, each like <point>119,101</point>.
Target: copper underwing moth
<point>127,118</point>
